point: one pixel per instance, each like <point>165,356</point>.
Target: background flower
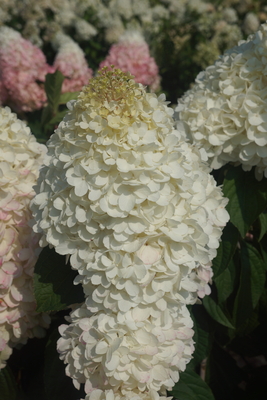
<point>131,54</point>
<point>71,62</point>
<point>225,111</point>
<point>22,71</point>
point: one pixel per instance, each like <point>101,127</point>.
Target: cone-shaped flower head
<point>70,60</point>
<point>133,204</point>
<point>131,54</point>
<point>225,112</point>
<point>22,70</point>
<point>20,159</point>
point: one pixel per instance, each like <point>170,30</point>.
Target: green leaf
<point>65,97</point>
<point>215,311</point>
<point>36,129</point>
<point>46,116</point>
<point>53,84</point>
<point>203,339</point>
<point>226,249</point>
<point>263,224</point>
<point>225,282</point>
<point>57,118</point>
<point>247,197</point>
<point>263,248</point>
<point>223,375</point>
<point>252,281</point>
<point>249,325</point>
<point>53,282</point>
<point>191,387</point>
<point>8,385</point>
<point>58,386</point>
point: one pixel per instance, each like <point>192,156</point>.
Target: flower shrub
<point>20,159</point>
<point>140,216</point>
<point>132,212</point>
<point>225,111</point>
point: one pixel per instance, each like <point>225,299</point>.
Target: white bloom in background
<point>121,7</point>
<point>198,6</point>
<point>251,23</point>
<point>230,15</point>
<point>20,159</point>
<point>84,30</point>
<point>133,205</point>
<point>225,112</point>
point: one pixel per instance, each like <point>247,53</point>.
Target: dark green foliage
<point>53,282</point>
<point>192,387</point>
<point>8,386</point>
<point>57,385</point>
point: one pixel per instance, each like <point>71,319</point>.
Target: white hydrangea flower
<point>225,112</point>
<point>128,199</point>
<point>134,206</point>
<point>20,159</point>
<point>133,350</point>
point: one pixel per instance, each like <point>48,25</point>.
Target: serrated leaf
<point>191,387</point>
<point>65,97</point>
<point>58,386</point>
<point>263,224</point>
<point>226,249</point>
<point>215,311</point>
<point>53,84</point>
<point>252,281</point>
<point>247,197</point>
<point>8,386</point>
<point>53,282</point>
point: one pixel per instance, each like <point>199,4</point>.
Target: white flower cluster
<point>20,159</point>
<point>225,111</point>
<point>132,203</point>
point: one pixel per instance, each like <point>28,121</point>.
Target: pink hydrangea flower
<point>131,54</point>
<point>22,70</point>
<point>20,159</point>
<point>70,60</point>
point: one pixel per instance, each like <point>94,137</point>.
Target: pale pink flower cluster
<point>20,158</point>
<point>70,60</point>
<point>23,68</point>
<point>131,54</point>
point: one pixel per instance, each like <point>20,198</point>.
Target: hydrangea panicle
<point>133,205</point>
<point>225,111</point>
<point>71,62</point>
<point>20,159</point>
<point>22,72</point>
